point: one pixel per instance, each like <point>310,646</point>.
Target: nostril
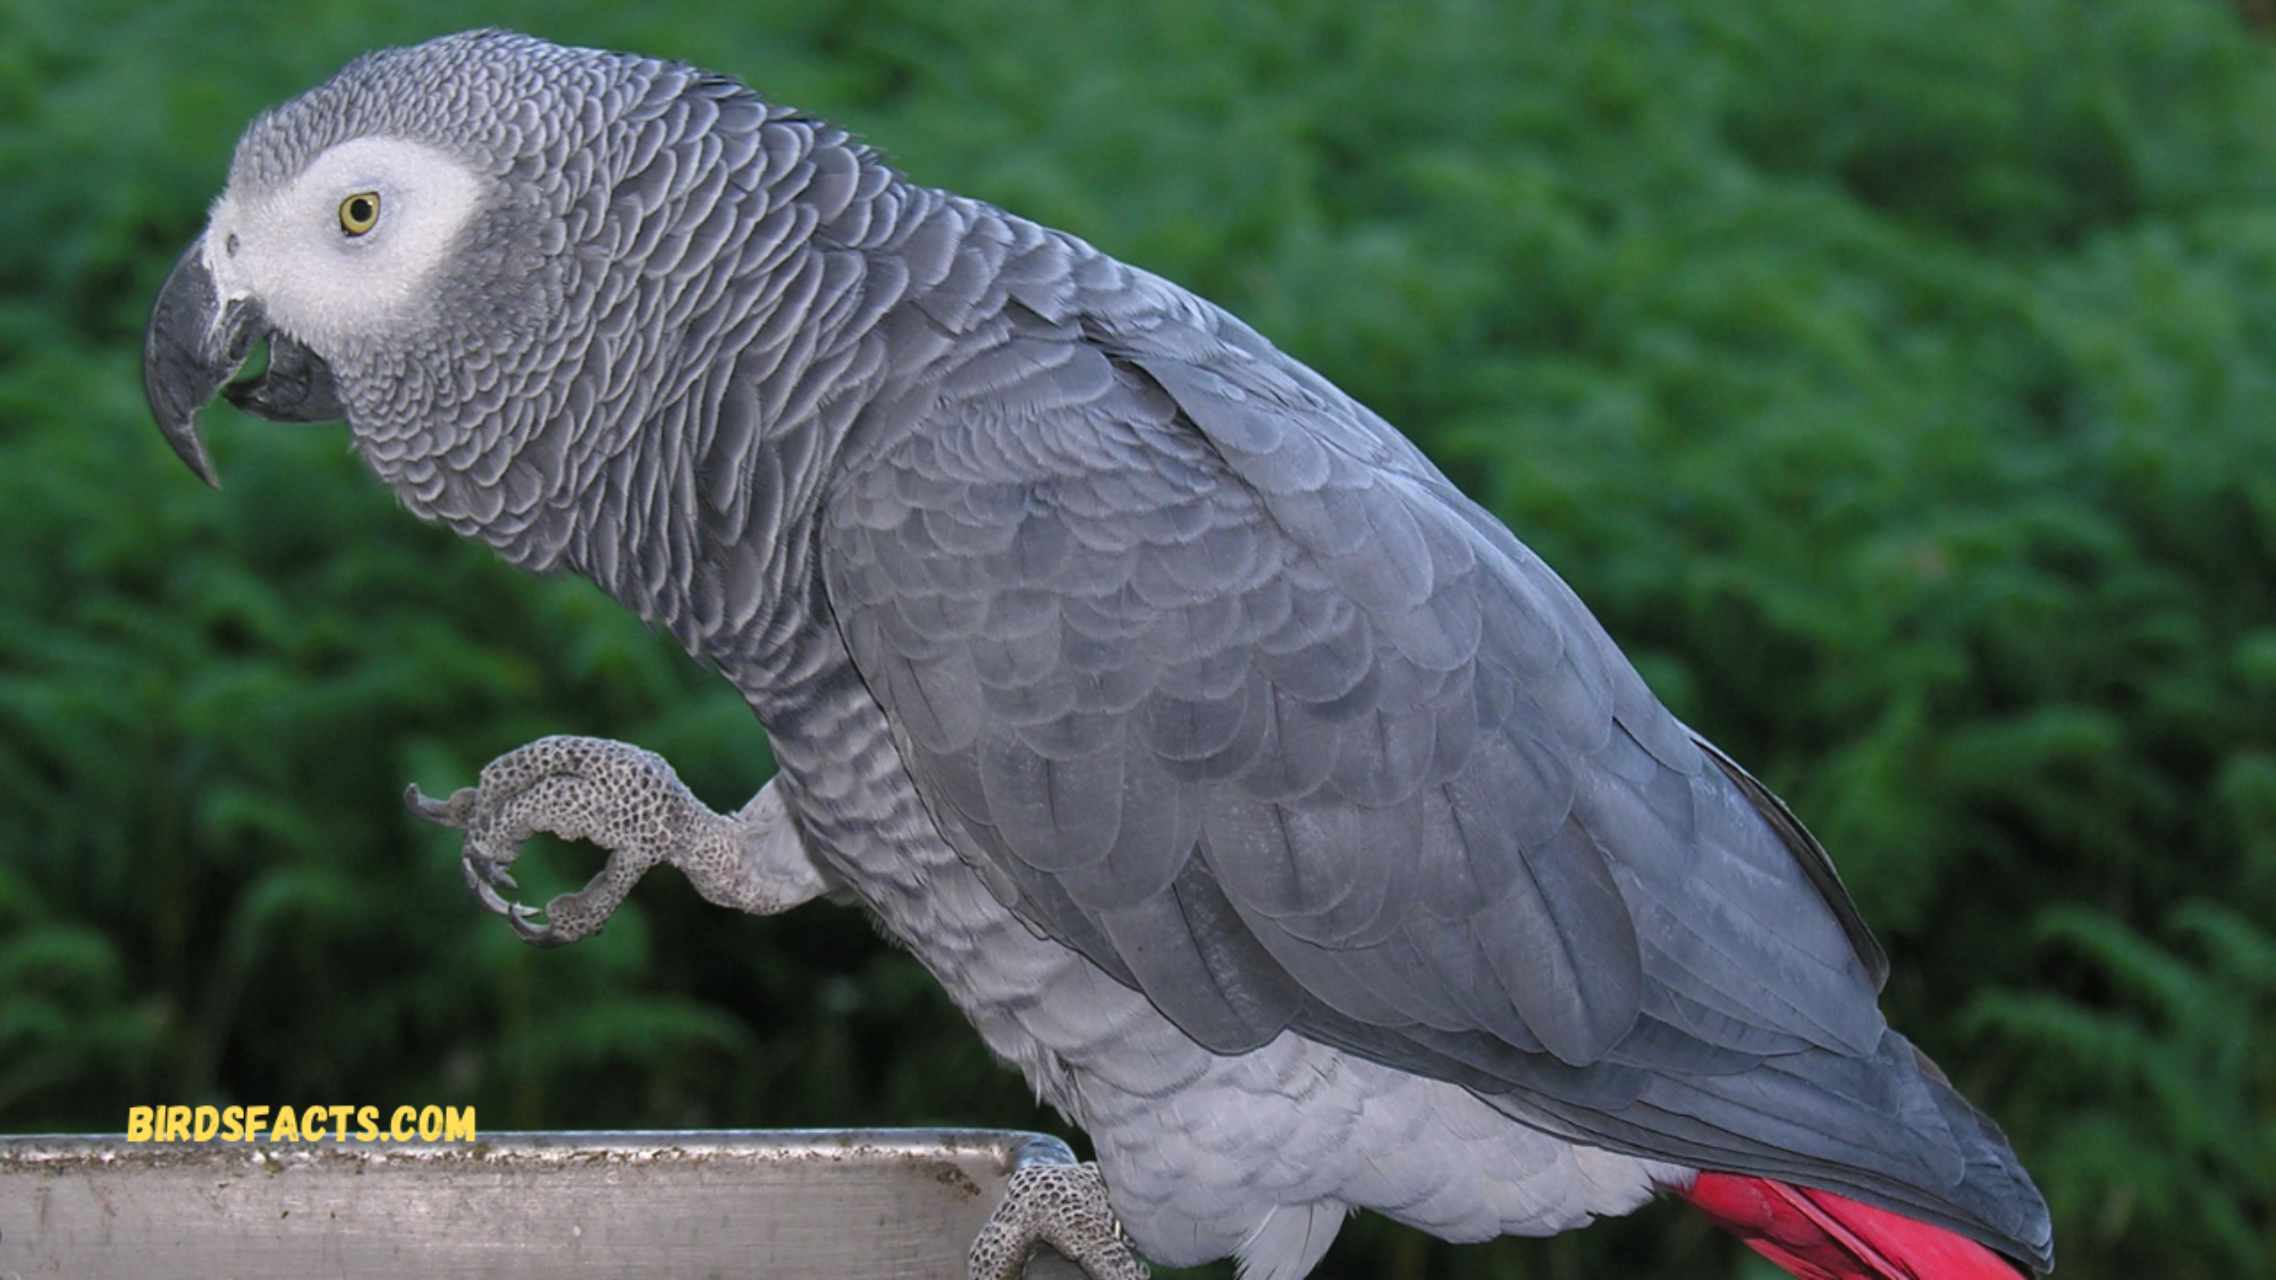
<point>229,245</point>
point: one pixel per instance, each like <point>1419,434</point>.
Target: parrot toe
<point>1063,1206</point>
<point>618,796</point>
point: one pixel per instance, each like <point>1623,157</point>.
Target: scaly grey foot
<point>1064,1206</point>
<point>629,801</point>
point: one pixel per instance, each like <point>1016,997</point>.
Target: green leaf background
<point>1895,380</point>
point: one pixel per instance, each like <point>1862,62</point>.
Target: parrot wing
<point>1219,682</point>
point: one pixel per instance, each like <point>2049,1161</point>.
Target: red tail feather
<point>1818,1235</point>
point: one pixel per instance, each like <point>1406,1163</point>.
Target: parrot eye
<point>359,213</point>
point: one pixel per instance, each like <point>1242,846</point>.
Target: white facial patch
<point>289,249</point>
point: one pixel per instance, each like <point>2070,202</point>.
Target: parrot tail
<point>1818,1235</point>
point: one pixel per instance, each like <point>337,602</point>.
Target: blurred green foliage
<point>1894,379</point>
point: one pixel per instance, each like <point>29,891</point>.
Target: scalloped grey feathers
<point>1236,693</point>
<point>1211,675</point>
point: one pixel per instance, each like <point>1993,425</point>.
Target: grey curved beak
<point>192,347</point>
<point>196,343</point>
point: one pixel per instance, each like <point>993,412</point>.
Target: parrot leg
<point>1064,1206</point>
<point>628,801</point>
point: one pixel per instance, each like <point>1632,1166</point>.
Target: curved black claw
<point>481,874</point>
<point>524,920</point>
<point>486,877</point>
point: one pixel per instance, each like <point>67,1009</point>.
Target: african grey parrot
<point>1290,825</point>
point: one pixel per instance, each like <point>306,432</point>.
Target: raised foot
<point>614,794</point>
<point>1064,1206</point>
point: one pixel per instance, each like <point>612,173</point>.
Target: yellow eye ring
<point>359,213</point>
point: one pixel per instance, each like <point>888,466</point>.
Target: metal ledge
<point>822,1204</point>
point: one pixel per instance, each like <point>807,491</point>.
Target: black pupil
<point>359,210</point>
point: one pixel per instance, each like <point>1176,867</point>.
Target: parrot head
<point>397,239</point>
<point>343,256</point>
